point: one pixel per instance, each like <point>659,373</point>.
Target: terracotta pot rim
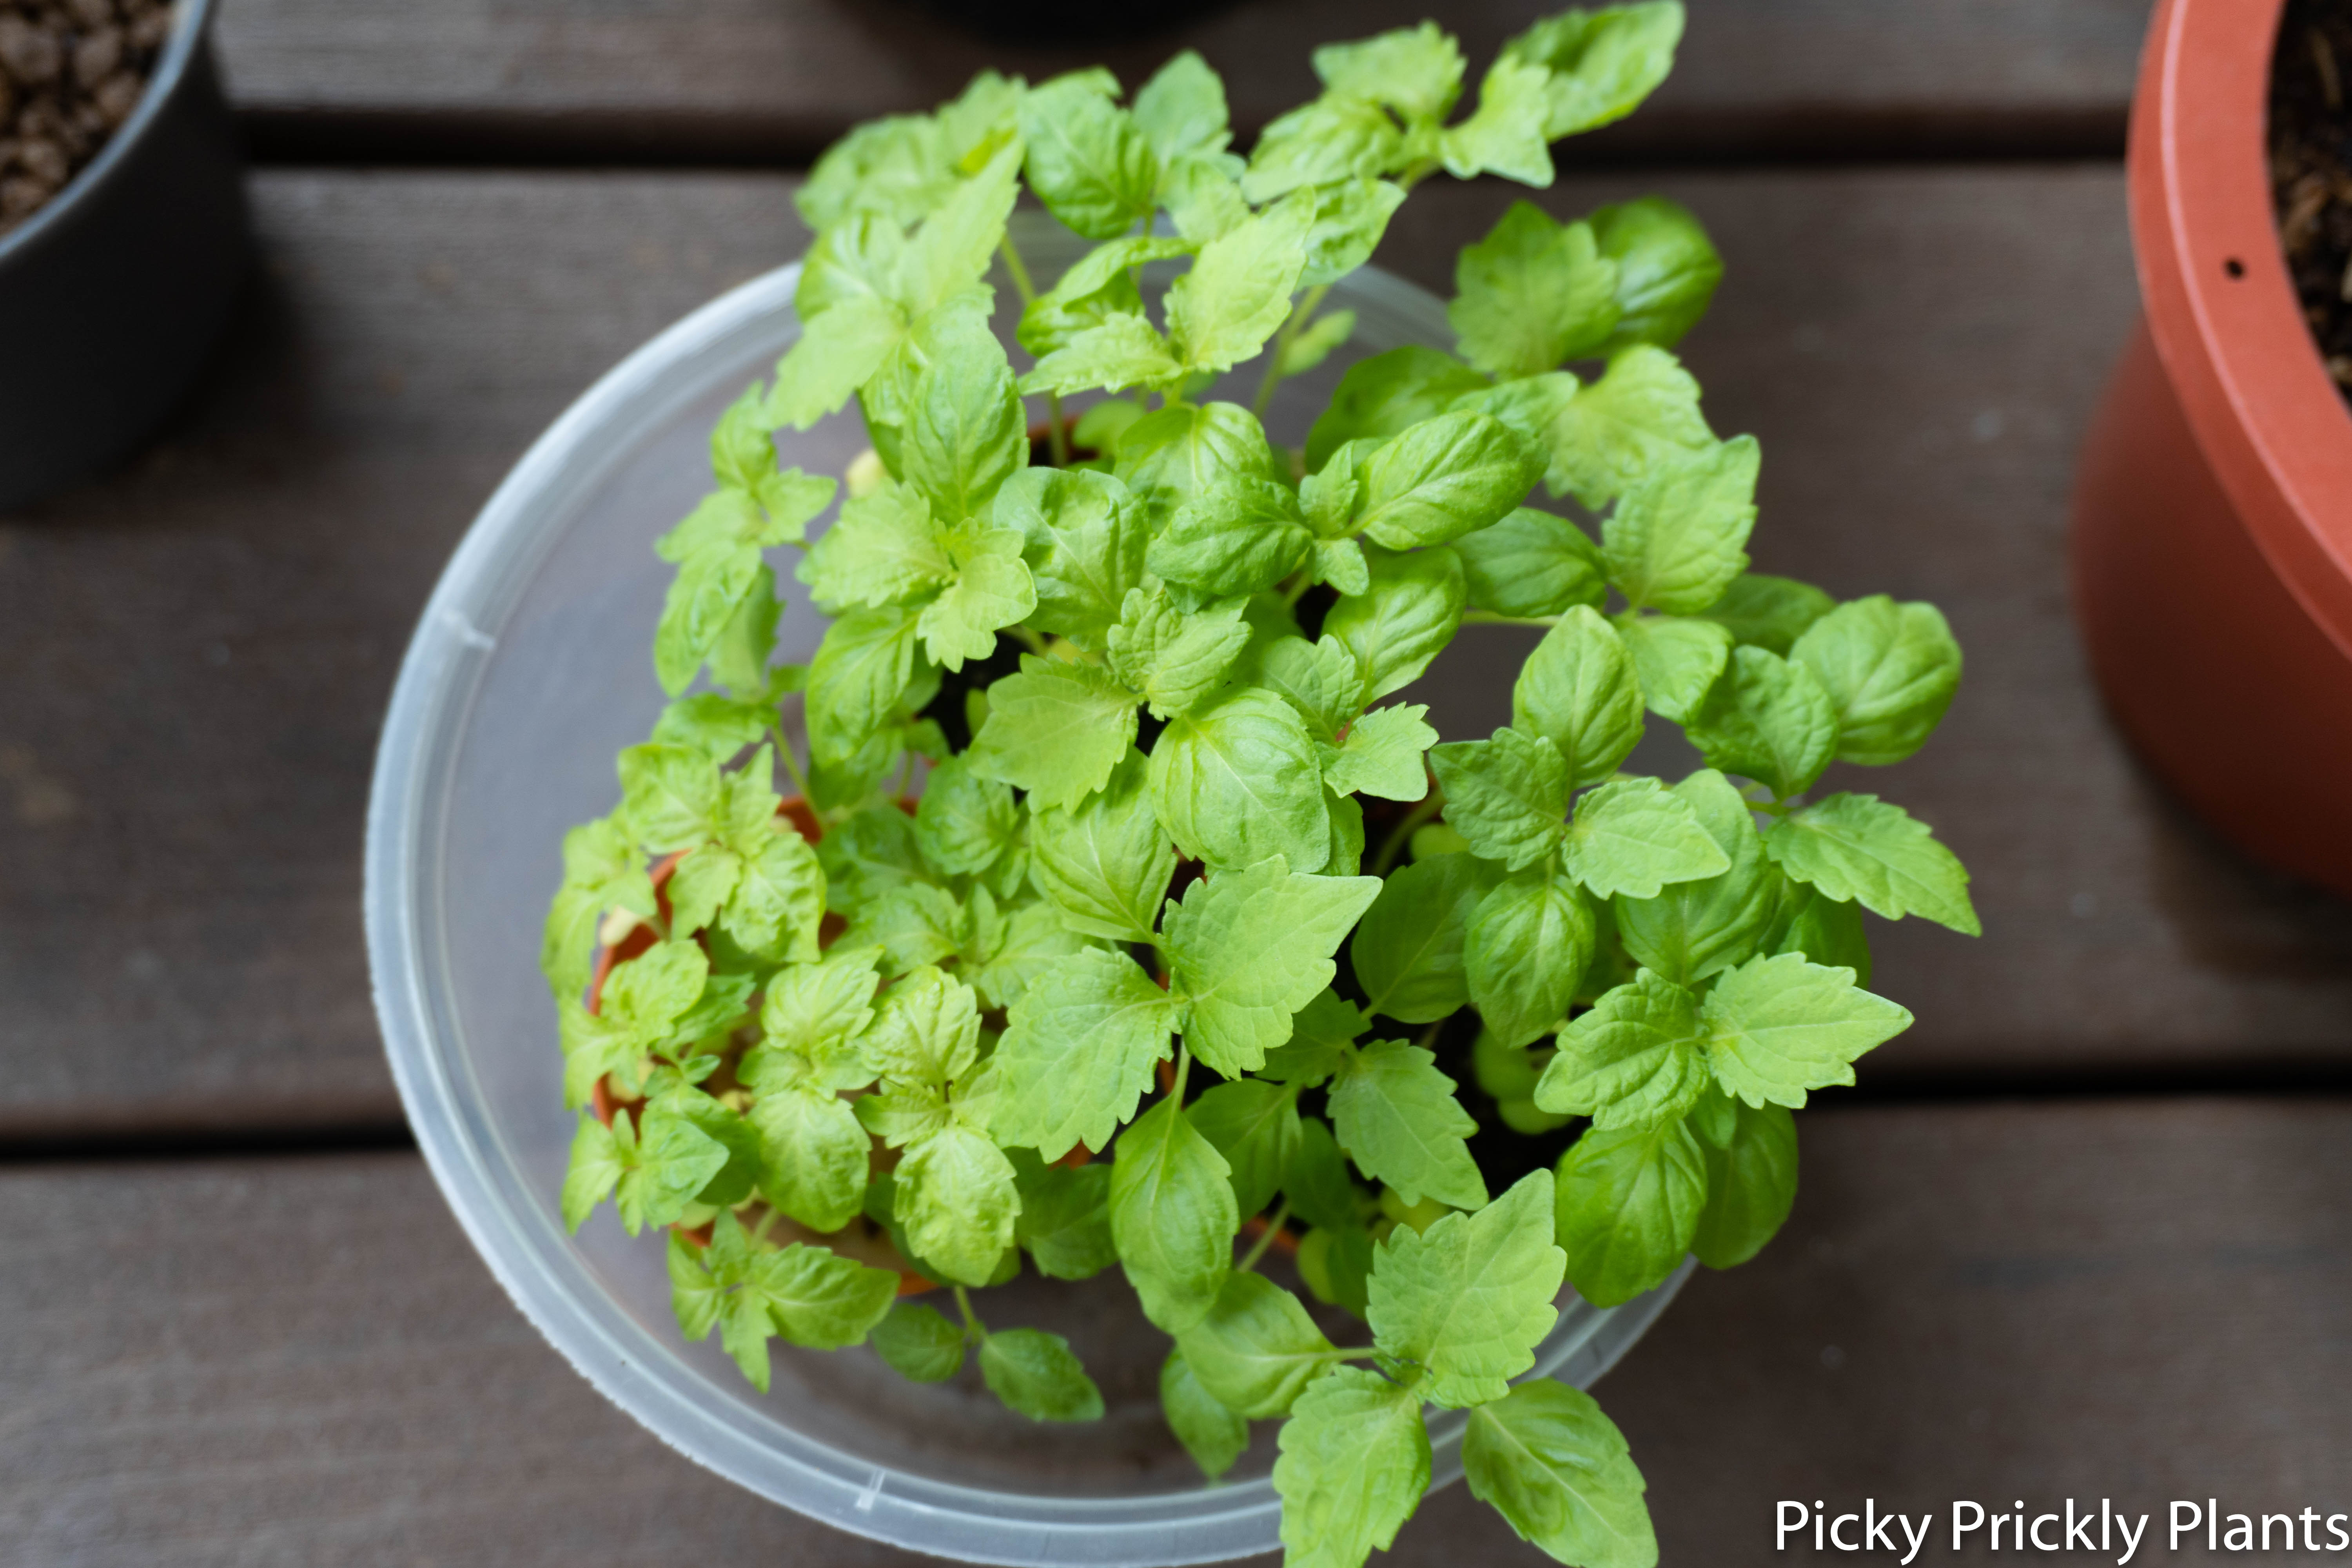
<point>2221,306</point>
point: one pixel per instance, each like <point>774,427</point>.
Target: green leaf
<point>926,1029</point>
<point>1173,1217</point>
<point>1445,477</point>
<point>1320,1033</point>
<point>1417,71</point>
<point>1002,959</point>
<point>1532,563</point>
<point>1382,755</point>
<point>650,992</point>
<point>1559,1473</point>
<point>670,795</point>
<point>837,353</point>
<point>1354,1464</point>
<point>1396,1116</point>
<point>1255,1125</point>
<point>1313,344</point>
<point>1034,1372</point>
<point>674,1159</point>
<point>1237,293</point>
<point>1691,930</point>
<point>896,167</point>
<point>1637,1057</point>
<point>1505,795</point>
<point>817,1011</point>
<point>1579,690</point>
<point>1247,949</point>
<point>1078,1052</point>
<point>1677,660</point>
<point>778,901</point>
<point>884,549</point>
<point>1629,1205</point>
<point>1641,414</point>
<point>1173,658</point>
<point>1777,1027</point>
<point>1890,671</point>
<point>1525,951</point>
<point>715,724</point>
<point>1386,394</point>
<point>1084,542</point>
<point>596,1167</point>
<point>1769,613</point>
<point>1533,293</point>
<point>1237,780</point>
<point>1319,678</point>
<point>739,658</point>
<point>602,870</point>
<point>991,590</point>
<point>1256,1349</point>
<point>695,1297</point>
<point>817,1299</point>
<point>863,668</point>
<point>814,1153</point>
<point>1407,617</point>
<point>1214,1435</point>
<point>920,1344</point>
<point>963,822</point>
<point>1751,1177</point>
<point>1667,269</point>
<point>1168,457</point>
<point>956,1197</point>
<point>1505,136</point>
<point>1122,350</point>
<point>702,599</point>
<point>1678,536</point>
<point>1105,863</point>
<point>914,924</point>
<point>1088,160</point>
<point>1603,62</point>
<point>1859,848</point>
<point>1468,1299</point>
<point>1631,836</point>
<point>1238,538</point>
<point>1336,1263</point>
<point>1336,137</point>
<point>1055,730</point>
<point>1767,720</point>
<point>1065,1224</point>
<point>1316,1181</point>
<point>952,252</point>
<point>977,125</point>
<point>1182,109</point>
<point>1820,928</point>
<point>1345,220</point>
<point>1203,200</point>
<point>1342,564</point>
<point>866,855</point>
<point>967,435</point>
<point>1098,286</point>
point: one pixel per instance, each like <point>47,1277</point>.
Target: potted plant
<point>1114,918</point>
<point>123,229</point>
<point>2212,541</point>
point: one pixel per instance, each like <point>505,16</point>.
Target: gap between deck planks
<point>302,1361</point>
<point>776,81</point>
<point>206,643</point>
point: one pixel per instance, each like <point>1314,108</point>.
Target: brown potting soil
<point>70,72</point>
<point>2311,169</point>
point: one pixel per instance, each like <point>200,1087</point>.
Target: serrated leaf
<point>919,1343</point>
<point>674,1159</point>
<point>1468,1299</point>
<point>1335,137</point>
<point>1106,863</point>
<point>817,1299</point>
<point>1505,135</point>
<point>1172,657</point>
<point>1531,564</point>
<point>1641,413</point>
<point>1246,949</point>
<point>957,1200</point>
<point>1691,930</point>
<point>1889,671</point>
<point>1417,71</point>
<point>1533,293</point>
<point>1679,534</point>
<point>1078,1052</point>
<point>1345,223</point>
<point>1214,1435</point>
<point>1386,394</point>
<point>1055,730</point>
<point>1319,679</point>
<point>1676,659</point>
<point>592,1170</point>
<point>1256,1349</point>
<point>1777,1027</point>
<point>1320,1033</point>
<point>1237,780</point>
<point>1397,1117</point>
<point>1507,796</point>
<point>1636,1058</point>
<point>1182,109</point>
<point>1084,542</point>
<point>1558,1470</point>
<point>862,669</point>
<point>1237,293</point>
<point>702,598</point>
<point>1859,848</point>
<point>1767,720</point>
<point>1354,1465</point>
<point>1088,160</point>
<point>1255,1125</point>
<point>1769,613</point>
<point>964,822</point>
<point>1579,690</point>
<point>1668,268</point>
<point>1603,63</point>
<point>914,924</point>
<point>1630,835</point>
<point>1445,477</point>
<point>926,1029</point>
<point>1382,755</point>
<point>815,1153</point>
<point>1529,945</point>
<point>884,549</point>
<point>671,795</point>
<point>1173,1217</point>
<point>991,590</point>
<point>1628,1204</point>
<point>1122,350</point>
<point>1406,619</point>
<point>1034,1373</point>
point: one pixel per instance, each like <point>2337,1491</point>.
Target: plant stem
<point>1304,580</point>
<point>1013,264</point>
<point>1488,619</point>
<point>1273,1229</point>
<point>1028,636</point>
<point>1055,436</point>
<point>1183,1068</point>
<point>1307,304</point>
<point>760,1231</point>
<point>1393,844</point>
<point>791,763</point>
<point>972,1326</point>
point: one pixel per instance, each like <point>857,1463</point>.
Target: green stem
<point>1304,580</point>
<point>760,1231</point>
<point>1307,305</point>
<point>1184,1071</point>
<point>1488,619</point>
<point>1029,637</point>
<point>972,1326</point>
<point>1273,1229</point>
<point>1013,264</point>
<point>1393,844</point>
<point>1056,438</point>
<point>791,763</point>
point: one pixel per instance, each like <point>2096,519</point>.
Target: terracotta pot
<point>2212,539</point>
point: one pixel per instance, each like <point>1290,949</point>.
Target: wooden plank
<point>208,639</point>
<point>776,79</point>
<point>2132,1299</point>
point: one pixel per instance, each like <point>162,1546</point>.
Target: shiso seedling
<point>1042,967</point>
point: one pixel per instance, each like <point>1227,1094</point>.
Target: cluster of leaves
<point>886,1041</point>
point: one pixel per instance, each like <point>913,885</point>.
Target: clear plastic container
<point>530,670</point>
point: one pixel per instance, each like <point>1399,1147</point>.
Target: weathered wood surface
<point>301,1361</point>
<point>776,79</point>
<point>207,640</point>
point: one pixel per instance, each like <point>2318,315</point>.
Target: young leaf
<point>1238,538</point>
<point>926,1029</point>
<point>1559,1473</point>
<point>1857,847</point>
<point>1034,1373</point>
<point>1055,730</point>
<point>1336,137</point>
<point>702,599</point>
<point>1445,477</point>
<point>862,669</point>
<point>919,1345</point>
<point>1065,1224</point>
<point>1417,71</point>
<point>1313,344</point>
<point>814,1155</point>
<point>1505,136</point>
<point>1354,1464</point>
<point>696,1299</point>
<point>866,855</point>
<point>673,1161</point>
<point>1382,755</point>
<point>1407,953</point>
<point>1173,1217</point>
<point>1168,457</point>
<point>1629,1205</point>
<point>1396,1116</point>
<point>1078,1052</point>
<point>884,549</point>
<point>1098,286</point>
<point>1404,620</point>
<point>1641,414</point>
<point>1678,536</point>
<point>1237,780</point>
<point>597,1166</point>
<point>1631,836</point>
<point>1256,1349</point>
<point>991,590</point>
<point>1320,1033</point>
<point>1238,291</point>
<point>1182,109</point>
<point>967,435</point>
<point>1751,1176</point>
<point>1255,1125</point>
<point>1345,220</point>
<point>817,1299</point>
<point>957,1199</point>
<point>1505,795</point>
<point>1579,690</point>
<point>1106,863</point>
<point>671,796</point>
<point>1604,63</point>
<point>1121,349</point>
<point>1525,953</point>
<point>1667,269</point>
<point>1084,540</point>
<point>963,822</point>
<point>1087,160</point>
<point>1767,720</point>
<point>1468,1299</point>
<point>913,924</point>
<point>1890,671</point>
<point>1174,658</point>
<point>1806,920</point>
<point>1247,949</point>
<point>1777,1027</point>
<point>602,871</point>
<point>1386,394</point>
<point>1637,1057</point>
<point>1214,1435</point>
<point>1533,293</point>
<point>1691,930</point>
<point>1769,613</point>
<point>1532,563</point>
<point>1677,660</point>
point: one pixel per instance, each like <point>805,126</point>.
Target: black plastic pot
<point>114,294</point>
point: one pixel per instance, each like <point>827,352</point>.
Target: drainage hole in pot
<point>2234,268</point>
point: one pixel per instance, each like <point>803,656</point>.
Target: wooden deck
<point>2086,1231</point>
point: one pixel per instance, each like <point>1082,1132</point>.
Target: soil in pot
<point>70,73</point>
